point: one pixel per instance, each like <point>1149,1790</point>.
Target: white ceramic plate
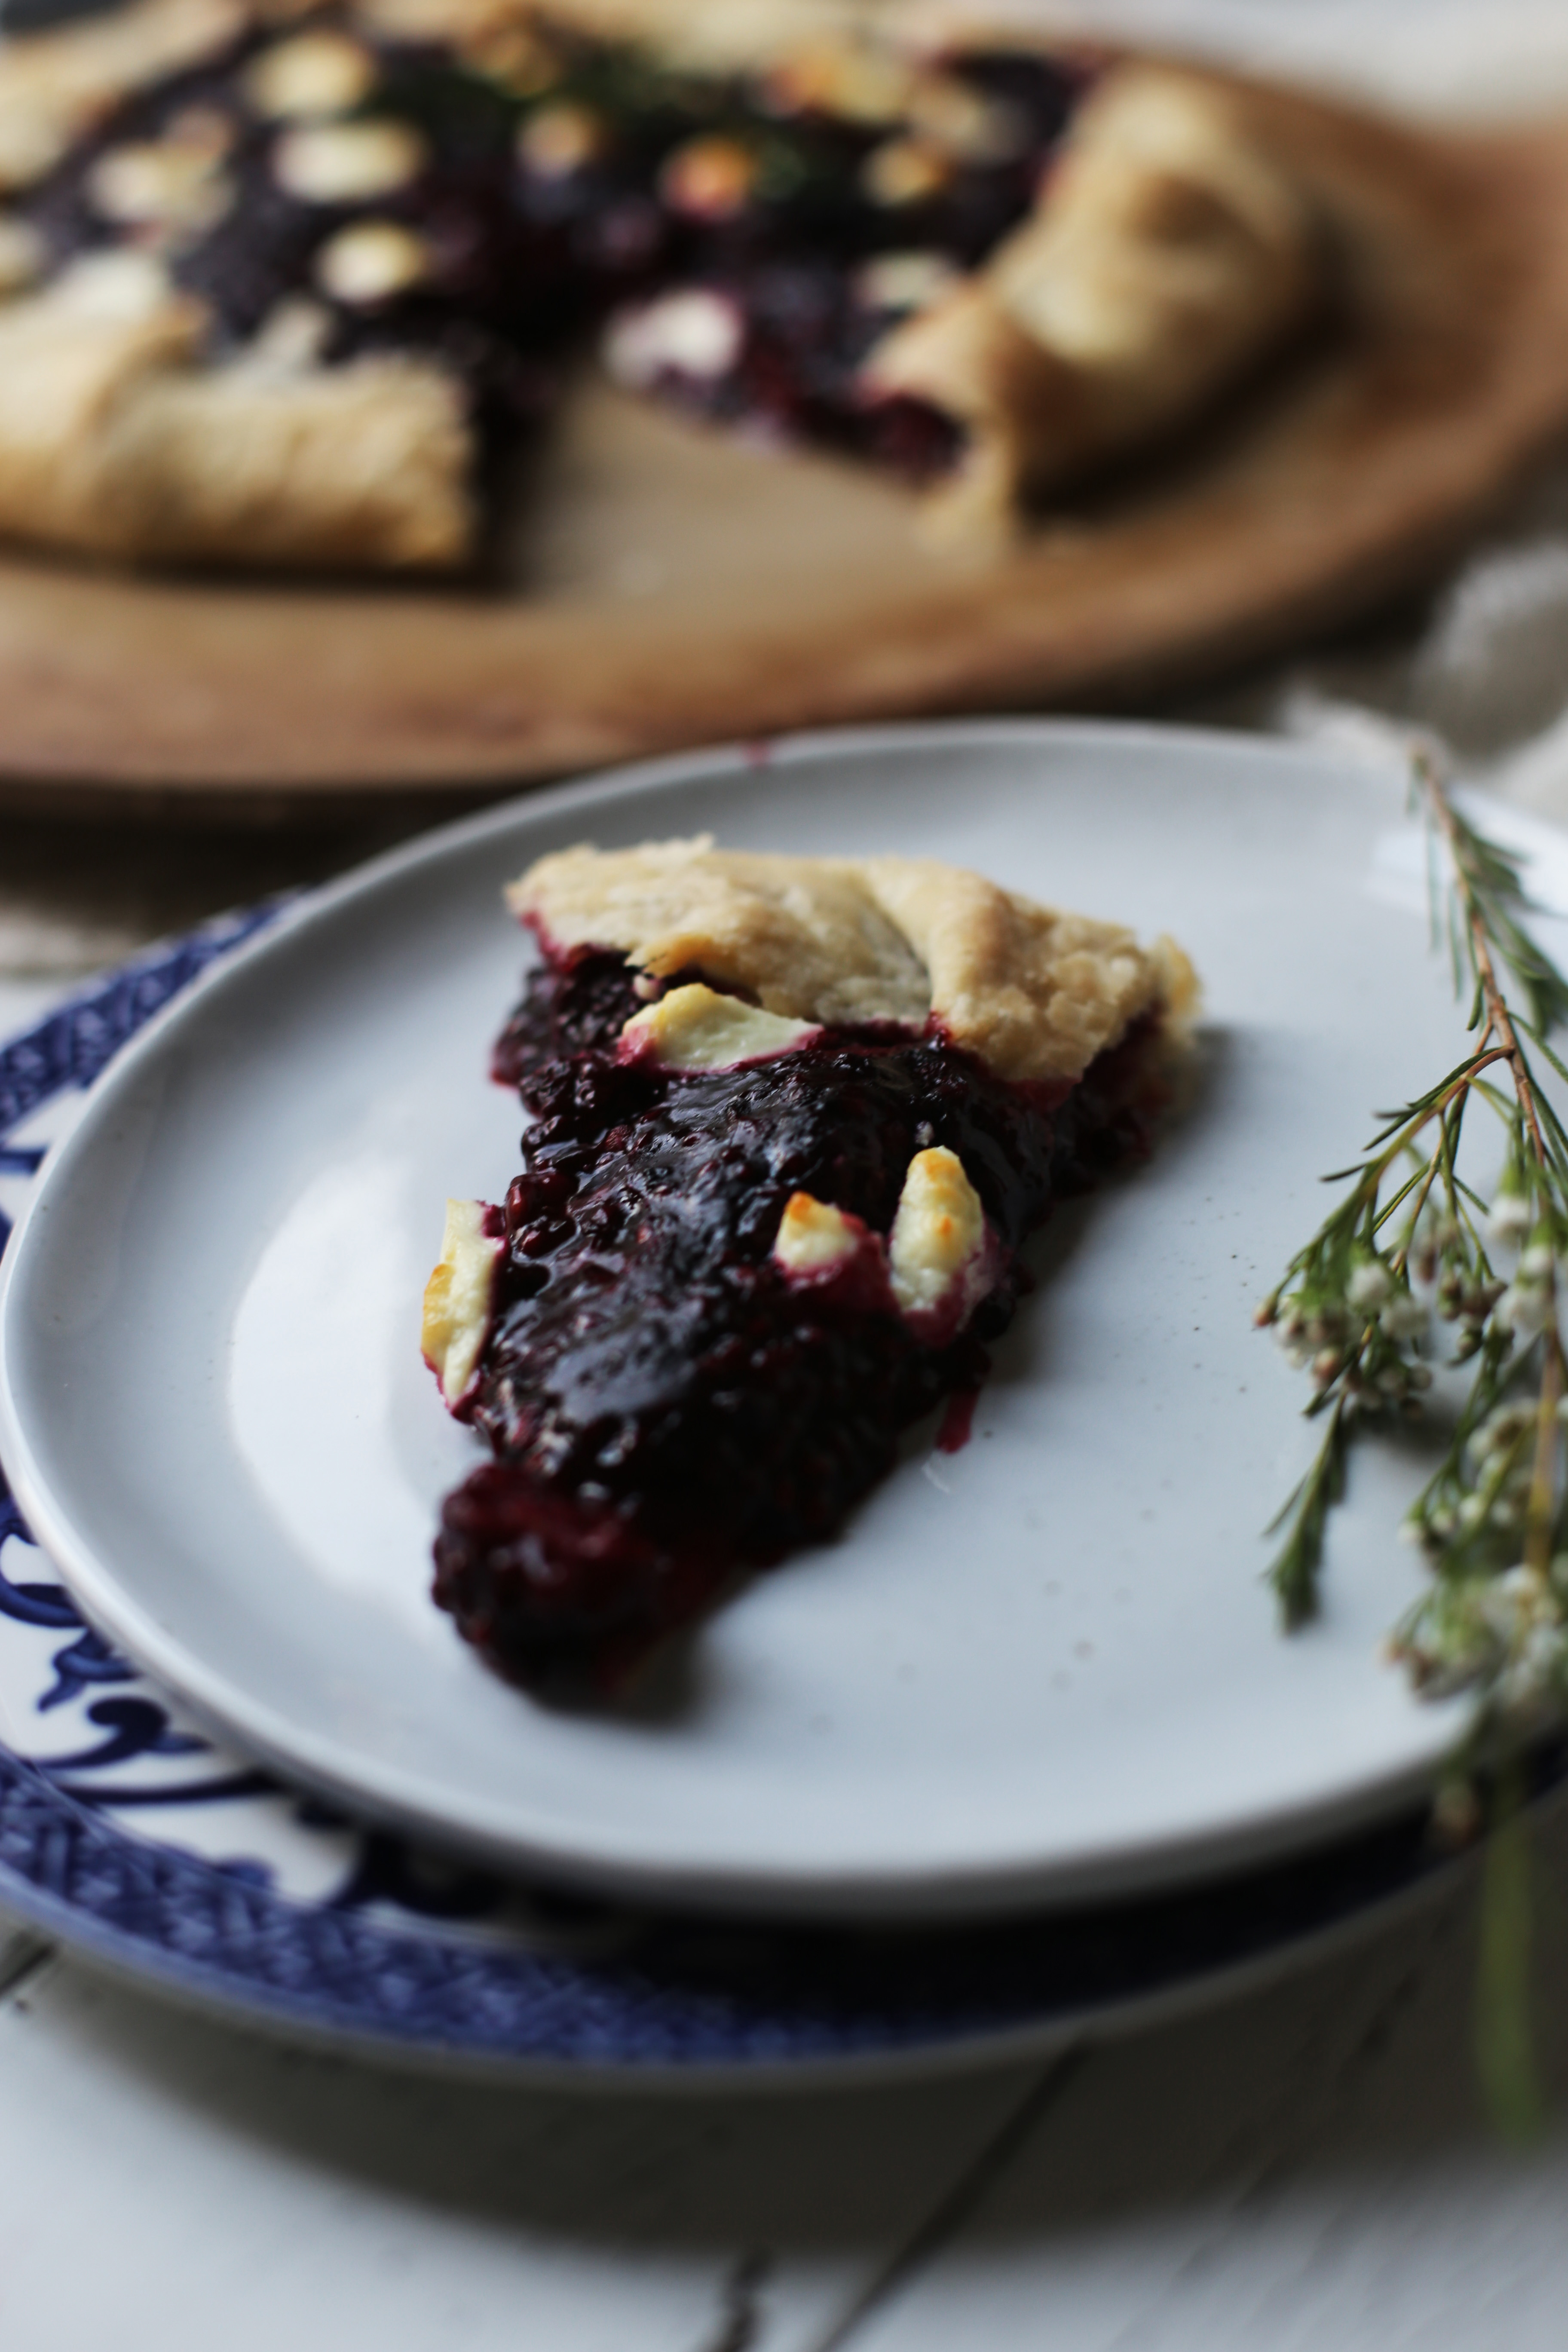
<point>1041,1668</point>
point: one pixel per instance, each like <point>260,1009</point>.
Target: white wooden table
<point>1304,2166</point>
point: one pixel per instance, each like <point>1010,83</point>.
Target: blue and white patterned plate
<point>139,1843</point>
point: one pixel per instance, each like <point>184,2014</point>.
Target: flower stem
<point>1356,1304</point>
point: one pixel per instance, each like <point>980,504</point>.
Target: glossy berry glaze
<point>532,244</point>
<point>664,1406</point>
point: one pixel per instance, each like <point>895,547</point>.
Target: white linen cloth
<point>1484,671</point>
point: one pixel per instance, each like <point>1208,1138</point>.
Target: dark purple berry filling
<point>664,1406</point>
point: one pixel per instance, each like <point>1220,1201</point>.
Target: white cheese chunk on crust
<point>815,1237</point>
<point>158,184</point>
<point>310,75</point>
<point>692,332</point>
<point>695,1028</point>
<point>941,1257</point>
<point>369,261</point>
<point>348,162</point>
<point>459,1297</point>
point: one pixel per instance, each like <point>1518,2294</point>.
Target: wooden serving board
<point>675,586</point>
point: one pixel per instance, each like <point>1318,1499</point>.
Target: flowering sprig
<point>1412,1246</point>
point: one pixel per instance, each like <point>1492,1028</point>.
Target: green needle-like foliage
<point>1412,1246</point>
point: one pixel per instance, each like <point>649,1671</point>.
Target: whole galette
<point>291,286</point>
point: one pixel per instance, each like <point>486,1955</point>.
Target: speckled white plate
<point>1040,1669</point>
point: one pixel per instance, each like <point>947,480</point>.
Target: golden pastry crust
<point>802,935</point>
<point>1034,993</point>
<point>360,466</point>
<point>71,358</point>
<point>115,440</point>
<point>54,86</point>
<point>1168,252</point>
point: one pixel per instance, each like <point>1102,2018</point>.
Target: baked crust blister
<point>1165,253</point>
<point>1034,993</point>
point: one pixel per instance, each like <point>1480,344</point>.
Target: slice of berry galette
<point>793,1120</point>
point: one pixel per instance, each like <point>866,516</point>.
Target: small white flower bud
<point>1369,1286</point>
<point>1512,1217</point>
<point>1528,1311</point>
<point>1501,1428</point>
<point>1543,1651</point>
<point>1404,1318</point>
